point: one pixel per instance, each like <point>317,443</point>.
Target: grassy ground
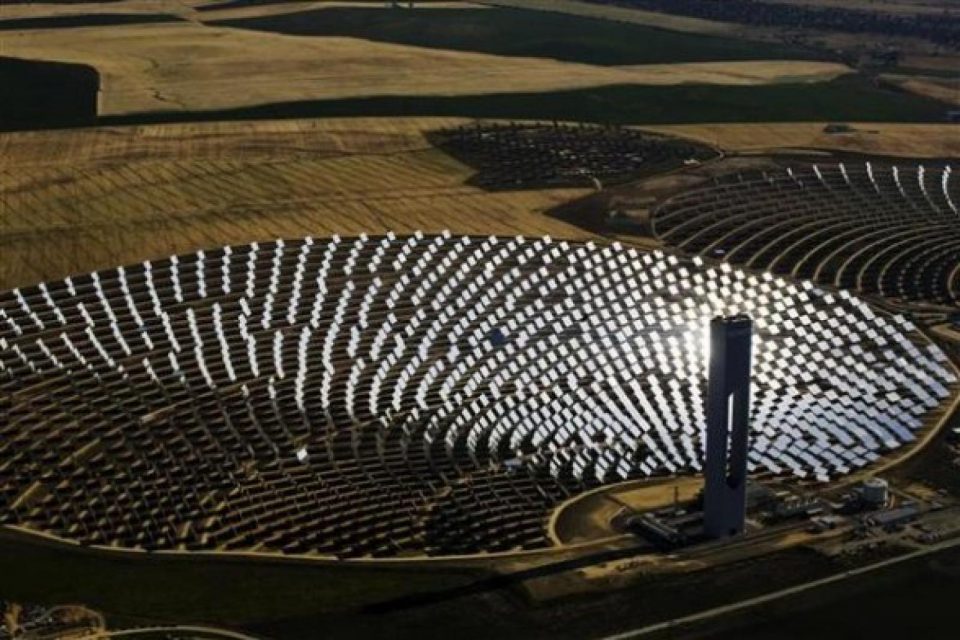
<point>946,90</point>
<point>220,5</point>
<point>80,200</point>
<point>288,600</point>
<point>622,13</point>
<point>913,600</point>
<point>181,589</point>
<point>846,98</point>
<point>291,601</point>
<point>500,614</point>
<point>515,32</point>
<point>887,139</point>
<point>189,66</point>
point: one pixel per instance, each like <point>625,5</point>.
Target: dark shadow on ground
<point>85,20</point>
<point>851,98</point>
<point>848,98</point>
<point>519,32</point>
<point>38,94</point>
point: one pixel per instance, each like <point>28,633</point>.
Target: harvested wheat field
<point>737,73</point>
<point>187,66</point>
<point>118,196</point>
<point>893,139</point>
<point>219,10</point>
<point>205,9</point>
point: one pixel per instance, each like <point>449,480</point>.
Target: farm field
<point>212,9</point>
<point>939,88</point>
<point>519,32</point>
<point>156,67</point>
<point>850,46</point>
<point>623,14</point>
<point>451,59</point>
<point>886,139</point>
<point>119,196</point>
<point>846,98</point>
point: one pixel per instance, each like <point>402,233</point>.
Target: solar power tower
<point>728,413</point>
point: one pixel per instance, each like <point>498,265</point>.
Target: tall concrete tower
<point>728,413</point>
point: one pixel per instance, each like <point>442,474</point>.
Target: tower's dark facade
<point>728,413</point>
